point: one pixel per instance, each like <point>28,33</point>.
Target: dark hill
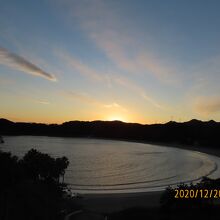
<point>193,132</point>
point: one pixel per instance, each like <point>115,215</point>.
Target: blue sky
<point>139,61</point>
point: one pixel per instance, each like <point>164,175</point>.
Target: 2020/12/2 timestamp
<point>197,193</point>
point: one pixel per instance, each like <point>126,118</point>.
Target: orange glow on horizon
<point>116,118</point>
<point>61,119</point>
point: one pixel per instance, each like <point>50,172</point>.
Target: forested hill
<point>193,132</point>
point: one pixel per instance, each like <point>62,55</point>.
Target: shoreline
<point>114,202</point>
<point>202,149</point>
<point>108,203</point>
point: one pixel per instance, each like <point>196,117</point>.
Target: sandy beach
<point>109,203</point>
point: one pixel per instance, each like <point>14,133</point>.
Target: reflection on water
<point>118,166</point>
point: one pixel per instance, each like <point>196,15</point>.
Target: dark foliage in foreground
<point>181,209</point>
<point>193,132</point>
<point>30,187</point>
<point>202,206</point>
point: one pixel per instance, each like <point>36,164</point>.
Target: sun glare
<point>116,118</point>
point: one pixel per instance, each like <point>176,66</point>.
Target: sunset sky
<point>146,61</point>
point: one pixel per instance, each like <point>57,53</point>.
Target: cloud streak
<point>42,102</point>
<point>116,106</point>
<point>91,73</point>
<point>107,30</point>
<point>79,66</point>
<point>85,98</point>
<point>19,63</point>
<point>137,89</point>
<point>208,105</point>
<point>134,61</point>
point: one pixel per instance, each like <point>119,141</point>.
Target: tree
<point>42,166</point>
<point>29,187</point>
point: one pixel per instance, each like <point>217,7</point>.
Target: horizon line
<point>125,122</point>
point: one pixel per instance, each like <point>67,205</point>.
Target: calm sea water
<point>103,166</point>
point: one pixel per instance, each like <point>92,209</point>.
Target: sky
<point>145,61</point>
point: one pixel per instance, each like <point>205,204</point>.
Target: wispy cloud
<point>152,101</point>
<point>111,79</point>
<point>112,105</point>
<point>107,30</point>
<point>85,98</point>
<point>79,66</point>
<point>137,89</point>
<point>43,102</point>
<point>76,65</point>
<point>116,106</point>
<point>207,105</point>
<point>21,64</point>
<point>134,61</point>
<point>108,79</point>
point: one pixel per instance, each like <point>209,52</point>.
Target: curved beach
<point>100,170</point>
<point>109,203</point>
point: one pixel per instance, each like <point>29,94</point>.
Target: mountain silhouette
<point>193,132</point>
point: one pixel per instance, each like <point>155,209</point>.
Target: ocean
<point>109,166</point>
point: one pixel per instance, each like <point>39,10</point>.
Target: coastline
<point>202,149</point>
<point>107,203</point>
